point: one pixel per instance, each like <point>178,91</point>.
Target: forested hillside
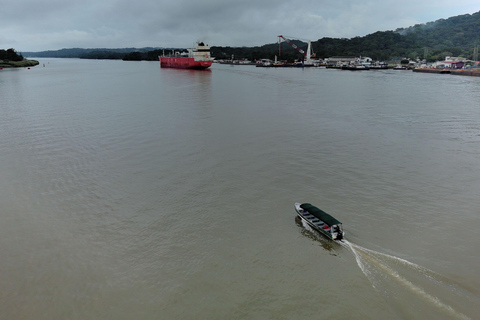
<point>455,36</point>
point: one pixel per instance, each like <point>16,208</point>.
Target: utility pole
<point>475,53</point>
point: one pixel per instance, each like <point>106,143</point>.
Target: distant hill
<point>455,36</point>
<point>79,52</point>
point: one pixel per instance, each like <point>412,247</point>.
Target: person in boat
<point>326,226</point>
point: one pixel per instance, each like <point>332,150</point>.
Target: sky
<point>39,25</point>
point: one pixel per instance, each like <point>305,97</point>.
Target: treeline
<point>149,56</point>
<point>131,56</point>
<point>100,53</point>
<point>10,55</point>
<point>121,55</point>
<point>135,54</point>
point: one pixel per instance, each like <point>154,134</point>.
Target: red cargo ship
<point>195,58</point>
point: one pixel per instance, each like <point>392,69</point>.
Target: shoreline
<point>18,64</point>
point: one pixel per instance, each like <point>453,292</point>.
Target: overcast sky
<point>37,25</point>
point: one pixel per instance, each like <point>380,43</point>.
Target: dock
<point>433,70</point>
<point>460,72</point>
<point>466,72</point>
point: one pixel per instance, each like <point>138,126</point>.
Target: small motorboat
<point>320,221</point>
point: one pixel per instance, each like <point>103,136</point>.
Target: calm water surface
<point>134,192</point>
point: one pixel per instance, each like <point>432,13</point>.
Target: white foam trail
<point>359,261</point>
<point>420,291</point>
<point>388,270</point>
<point>403,261</point>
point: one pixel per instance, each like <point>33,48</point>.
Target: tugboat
<point>320,220</point>
<point>196,58</point>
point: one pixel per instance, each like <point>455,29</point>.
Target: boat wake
<point>394,277</point>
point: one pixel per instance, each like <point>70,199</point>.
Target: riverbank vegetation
<point>11,59</point>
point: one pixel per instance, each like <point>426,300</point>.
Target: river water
<point>134,192</point>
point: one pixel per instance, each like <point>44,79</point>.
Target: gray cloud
<point>32,25</point>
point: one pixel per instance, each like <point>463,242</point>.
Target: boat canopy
<point>322,215</point>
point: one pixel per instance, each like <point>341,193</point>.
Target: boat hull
<point>355,68</point>
<point>184,63</point>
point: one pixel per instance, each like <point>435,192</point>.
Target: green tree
<point>10,54</point>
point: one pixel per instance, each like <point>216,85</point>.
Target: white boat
<point>355,67</point>
<point>320,220</point>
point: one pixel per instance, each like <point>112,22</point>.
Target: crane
<point>307,54</point>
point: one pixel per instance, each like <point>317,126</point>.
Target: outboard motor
<point>338,232</point>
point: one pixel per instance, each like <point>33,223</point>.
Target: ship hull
<point>183,63</point>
